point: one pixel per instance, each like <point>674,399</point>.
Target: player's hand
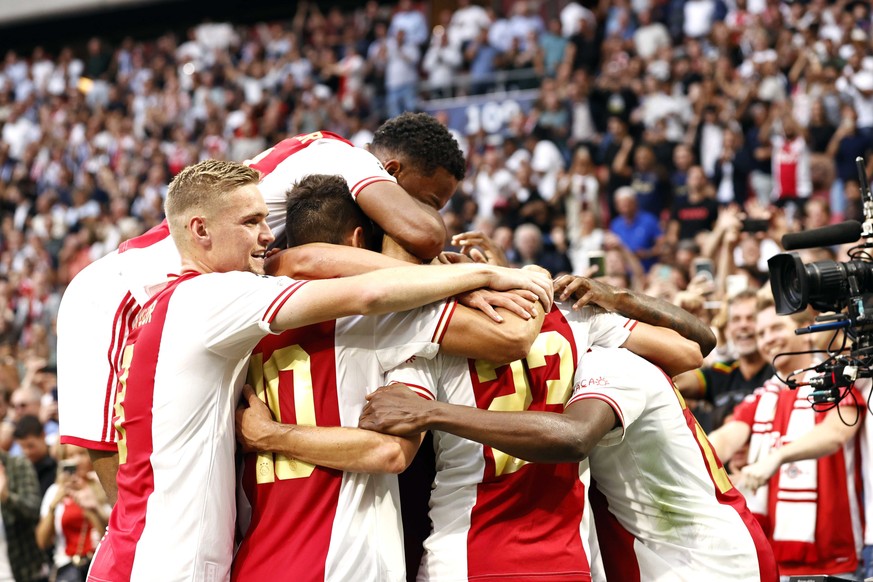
<point>451,258</point>
<point>479,247</point>
<point>395,410</point>
<point>585,291</point>
<point>253,420</point>
<point>758,474</point>
<point>505,279</point>
<point>274,264</point>
<point>521,303</point>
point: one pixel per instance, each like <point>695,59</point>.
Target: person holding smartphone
<point>73,516</point>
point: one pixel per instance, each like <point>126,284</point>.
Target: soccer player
<point>99,305</point>
<point>336,539</point>
<point>802,469</point>
<point>184,363</point>
<point>663,505</point>
<point>315,380</point>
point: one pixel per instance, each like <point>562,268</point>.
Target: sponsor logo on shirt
<point>598,381</point>
<point>144,316</point>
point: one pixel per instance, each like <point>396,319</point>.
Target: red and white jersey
<point>94,320</point>
<point>101,301</point>
<point>320,152</point>
<point>662,502</point>
<point>496,516</point>
<point>182,372</point>
<point>305,522</point>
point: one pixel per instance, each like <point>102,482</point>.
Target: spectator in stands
<point>695,212</point>
<point>30,437</point>
<point>19,506</point>
<point>846,144</point>
<point>529,248</point>
<point>441,63</point>
<point>412,22</point>
<point>467,21</point>
<point>482,58</point>
<point>726,384</point>
<point>636,228</point>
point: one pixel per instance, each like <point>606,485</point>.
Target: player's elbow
<point>706,343</point>
<point>425,238</point>
<point>511,344</point>
<point>684,356</point>
<point>390,457</point>
<point>570,449</point>
<point>301,263</point>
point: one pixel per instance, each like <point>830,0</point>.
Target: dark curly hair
<point>421,141</point>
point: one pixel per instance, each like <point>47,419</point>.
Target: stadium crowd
<point>673,142</point>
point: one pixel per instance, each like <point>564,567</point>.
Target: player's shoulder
<point>616,362</point>
<point>100,278</point>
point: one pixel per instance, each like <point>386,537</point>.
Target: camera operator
<point>800,483</point>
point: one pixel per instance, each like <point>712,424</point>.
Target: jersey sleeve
<point>605,329</point>
<point>615,377</point>
<point>236,310</point>
<point>416,333</point>
<point>329,156</point>
<point>420,374</point>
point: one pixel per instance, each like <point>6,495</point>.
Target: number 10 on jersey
<point>266,380</point>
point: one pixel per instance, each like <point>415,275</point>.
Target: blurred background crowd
<point>666,143</point>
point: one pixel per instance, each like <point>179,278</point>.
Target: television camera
<point>842,291</point>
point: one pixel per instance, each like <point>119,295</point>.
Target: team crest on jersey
<point>586,382</point>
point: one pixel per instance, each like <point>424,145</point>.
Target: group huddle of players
<point>542,414</point>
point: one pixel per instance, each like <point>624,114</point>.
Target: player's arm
<point>345,449</point>
<point>545,437</point>
<point>659,317</point>
<point>417,227</point>
<point>105,464</point>
<point>472,334</point>
<point>825,438</point>
<point>399,289</point>
<point>327,261</point>
<point>664,347</point>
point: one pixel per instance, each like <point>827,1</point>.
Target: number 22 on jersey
<point>527,379</point>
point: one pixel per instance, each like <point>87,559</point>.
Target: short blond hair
<point>202,187</point>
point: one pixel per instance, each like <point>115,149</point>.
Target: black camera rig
<point>843,291</point>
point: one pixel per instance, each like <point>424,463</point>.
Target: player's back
<point>94,319</point>
<point>660,494</point>
<point>304,522</point>
<point>495,516</point>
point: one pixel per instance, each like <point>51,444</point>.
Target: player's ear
<point>358,239</point>
<point>197,226</point>
<point>392,166</point>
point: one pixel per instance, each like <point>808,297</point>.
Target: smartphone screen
<point>597,259</point>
